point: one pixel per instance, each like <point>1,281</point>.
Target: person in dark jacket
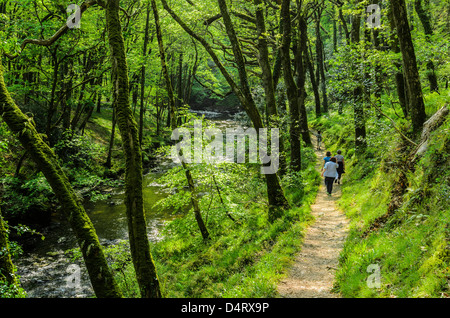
<point>341,169</point>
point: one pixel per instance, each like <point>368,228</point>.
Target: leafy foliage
<point>23,197</point>
<point>65,91</point>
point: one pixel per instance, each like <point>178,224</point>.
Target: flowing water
<point>45,268</point>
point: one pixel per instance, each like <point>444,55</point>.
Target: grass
<point>100,126</point>
<point>245,259</point>
<point>242,259</point>
<point>246,262</point>
<point>412,247</point>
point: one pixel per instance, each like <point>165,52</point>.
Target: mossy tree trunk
<point>137,226</point>
<point>165,71</point>
<point>101,276</point>
<point>238,57</point>
<point>263,59</point>
<point>112,136</point>
<point>414,87</point>
<point>301,75</point>
<point>358,105</point>
<point>321,81</point>
<point>399,78</point>
<point>314,84</point>
<point>275,193</point>
<point>144,54</point>
<point>428,29</point>
<point>174,121</point>
<point>195,203</point>
<point>267,77</point>
<point>273,187</point>
<point>276,198</point>
<point>291,88</point>
<point>6,265</point>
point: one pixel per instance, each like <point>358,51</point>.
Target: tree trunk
<point>264,63</point>
<point>399,78</point>
<point>162,54</point>
<point>291,88</point>
<point>179,99</point>
<point>315,88</point>
<point>67,87</point>
<point>101,276</point>
<point>108,162</point>
<point>360,121</point>
<point>320,65</point>
<point>335,37</point>
<point>344,26</point>
<point>89,114</point>
<point>52,103</point>
<point>137,225</point>
<point>267,77</point>
<point>276,198</point>
<point>99,97</point>
<point>301,77</point>
<point>415,94</point>
<point>428,29</point>
<point>378,69</point>
<point>195,202</point>
<point>171,101</point>
<point>248,101</point>
<point>6,266</point>
<point>358,106</point>
<point>144,54</point>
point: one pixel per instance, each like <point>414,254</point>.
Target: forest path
<point>312,274</point>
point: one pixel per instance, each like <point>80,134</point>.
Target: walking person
<point>319,139</point>
<point>341,169</point>
<point>330,173</point>
<point>326,159</point>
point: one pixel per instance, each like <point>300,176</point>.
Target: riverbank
<point>244,258</point>
<point>44,265</point>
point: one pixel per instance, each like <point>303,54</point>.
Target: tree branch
<point>47,42</point>
<point>393,124</point>
<point>211,89</point>
<point>207,47</point>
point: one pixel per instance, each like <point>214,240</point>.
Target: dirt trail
<point>312,274</point>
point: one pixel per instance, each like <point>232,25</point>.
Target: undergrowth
<point>244,258</point>
<point>409,247</point>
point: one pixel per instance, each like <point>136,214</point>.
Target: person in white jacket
<point>330,173</point>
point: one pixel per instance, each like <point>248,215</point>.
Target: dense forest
<point>101,197</point>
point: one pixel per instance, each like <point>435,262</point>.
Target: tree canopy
<point>364,75</point>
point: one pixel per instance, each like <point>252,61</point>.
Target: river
<point>44,267</point>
